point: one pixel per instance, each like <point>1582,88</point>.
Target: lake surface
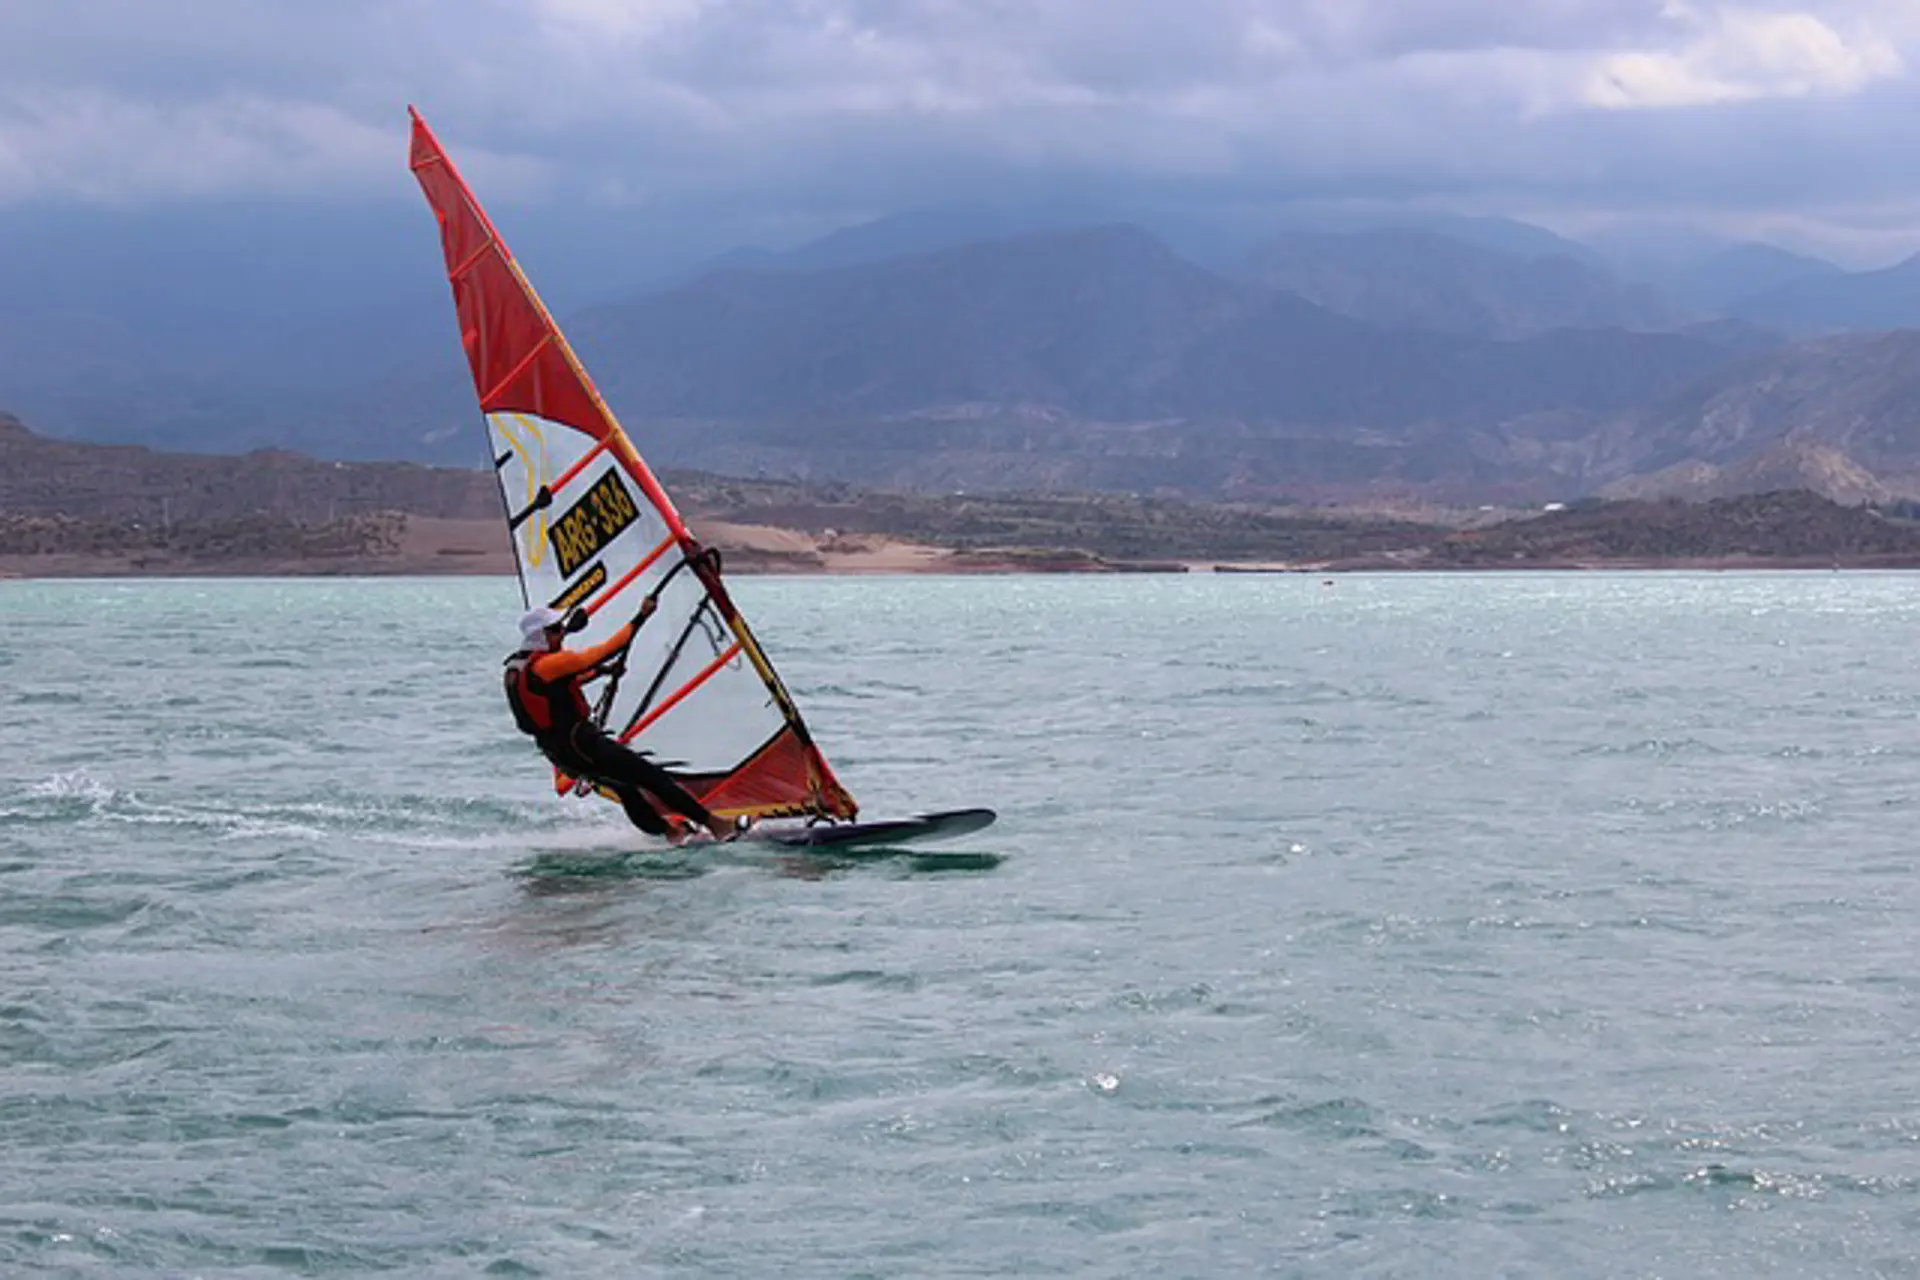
<point>1406,925</point>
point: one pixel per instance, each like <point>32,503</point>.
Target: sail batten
<point>461,270</point>
<point>518,369</point>
<point>599,602</point>
<point>566,477</point>
<point>592,526</point>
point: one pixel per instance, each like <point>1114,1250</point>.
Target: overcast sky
<point>1798,122</point>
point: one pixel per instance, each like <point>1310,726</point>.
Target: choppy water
<point>1521,925</point>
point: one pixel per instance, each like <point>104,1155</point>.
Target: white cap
<point>534,623</point>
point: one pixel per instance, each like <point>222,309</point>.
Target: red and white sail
<point>592,527</point>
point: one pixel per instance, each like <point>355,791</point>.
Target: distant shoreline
<point>1785,532</point>
<point>936,563</point>
<point>72,510</point>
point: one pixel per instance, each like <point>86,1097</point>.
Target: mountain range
<point>1465,359</point>
<point>1411,279</point>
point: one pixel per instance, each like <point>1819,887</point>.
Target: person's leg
<point>666,788</point>
<point>639,811</point>
<point>566,755</point>
<point>615,764</point>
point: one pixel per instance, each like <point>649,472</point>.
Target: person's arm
<point>564,664</point>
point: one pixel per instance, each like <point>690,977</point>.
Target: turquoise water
<point>1411,925</point>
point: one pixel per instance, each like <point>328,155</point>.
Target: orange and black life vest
<point>542,707</point>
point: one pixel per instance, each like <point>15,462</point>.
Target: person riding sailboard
<point>543,683</point>
<point>687,720</point>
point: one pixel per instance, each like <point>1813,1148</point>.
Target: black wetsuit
<point>554,711</point>
<point>587,751</point>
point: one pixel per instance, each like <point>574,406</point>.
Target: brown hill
<point>1788,464</point>
<point>1794,526</point>
<point>71,508</point>
<point>43,476</point>
<point>78,508</point>
<point>1840,414</point>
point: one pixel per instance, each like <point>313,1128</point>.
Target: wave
<point>82,799</point>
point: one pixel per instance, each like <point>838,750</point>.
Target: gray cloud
<point>1794,113</point>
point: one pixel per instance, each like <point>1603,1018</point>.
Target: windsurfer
<point>544,681</point>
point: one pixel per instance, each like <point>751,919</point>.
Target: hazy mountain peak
<point>1415,278</point>
<point>908,233</point>
<point>1723,278</point>
<point>1834,301</point>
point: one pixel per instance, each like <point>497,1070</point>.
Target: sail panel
<point>764,784</point>
<point>591,527</point>
<point>464,229</point>
<point>599,543</point>
<point>517,362</point>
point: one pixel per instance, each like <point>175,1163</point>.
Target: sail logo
<point>590,581</point>
<point>584,529</point>
<point>533,465</point>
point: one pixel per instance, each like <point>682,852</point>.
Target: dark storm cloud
<point>1788,109</point>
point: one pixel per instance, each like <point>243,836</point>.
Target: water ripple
<point>1477,925</point>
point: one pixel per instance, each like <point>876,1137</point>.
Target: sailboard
<point>892,833</point>
<point>593,529</point>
